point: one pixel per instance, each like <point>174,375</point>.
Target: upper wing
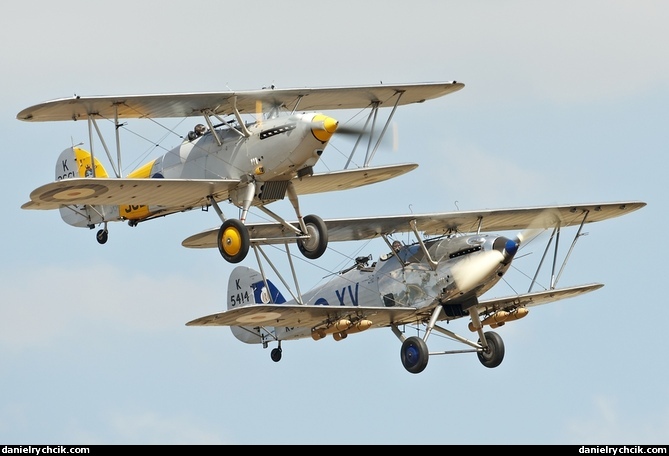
<point>224,103</point>
<point>185,193</point>
<point>351,229</point>
<point>301,316</point>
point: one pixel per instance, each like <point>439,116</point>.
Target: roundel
<point>74,192</point>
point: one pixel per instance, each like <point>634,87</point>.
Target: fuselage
<point>272,150</point>
<point>276,149</point>
<point>466,267</point>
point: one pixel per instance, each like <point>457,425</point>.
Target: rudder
<point>75,162</point>
<point>246,287</point>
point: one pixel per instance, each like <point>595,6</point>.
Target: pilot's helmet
<point>397,245</point>
<point>200,129</point>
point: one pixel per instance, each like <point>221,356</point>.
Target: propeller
<point>538,225</point>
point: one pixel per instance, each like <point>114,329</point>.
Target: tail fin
<point>75,162</point>
<point>247,287</point>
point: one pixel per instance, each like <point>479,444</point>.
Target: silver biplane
<point>442,276</point>
<point>228,157</point>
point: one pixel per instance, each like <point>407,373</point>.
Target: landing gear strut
<point>415,354</point>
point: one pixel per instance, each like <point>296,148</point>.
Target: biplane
<point>251,149</point>
<point>443,275</point>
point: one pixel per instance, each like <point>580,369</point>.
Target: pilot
<point>198,131</point>
<point>397,245</point>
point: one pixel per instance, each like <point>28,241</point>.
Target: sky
<point>564,102</point>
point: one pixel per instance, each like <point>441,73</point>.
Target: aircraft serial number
<point>240,299</point>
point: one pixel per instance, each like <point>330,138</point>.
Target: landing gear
<point>414,354</point>
<point>315,245</point>
<point>102,236</point>
<point>233,240</point>
<point>493,355</point>
<point>276,354</point>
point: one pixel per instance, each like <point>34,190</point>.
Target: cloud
<point>57,301</point>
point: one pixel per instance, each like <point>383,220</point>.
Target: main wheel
<point>494,354</point>
<point>233,241</point>
<point>275,354</point>
<point>102,236</point>
<point>414,354</point>
<point>315,245</point>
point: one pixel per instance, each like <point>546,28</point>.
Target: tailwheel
<point>233,241</point>
<point>493,355</point>
<point>102,236</point>
<point>414,354</point>
<point>315,245</point>
<point>275,354</point>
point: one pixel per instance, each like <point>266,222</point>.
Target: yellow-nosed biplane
<point>225,158</point>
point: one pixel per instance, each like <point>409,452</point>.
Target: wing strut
<point>213,131</point>
<point>385,127</point>
<point>92,123</point>
<point>432,263</point>
<point>240,121</point>
<point>90,141</point>
<point>373,115</point>
<point>118,142</point>
<point>543,257</point>
<point>571,248</point>
<point>375,107</point>
<point>297,103</point>
<point>298,297</point>
<point>556,234</point>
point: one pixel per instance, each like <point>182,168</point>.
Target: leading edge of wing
<point>301,316</point>
<point>536,298</point>
<point>185,193</point>
<point>224,103</point>
<point>439,223</point>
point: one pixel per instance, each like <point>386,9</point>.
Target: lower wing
<point>302,316</point>
<point>535,299</point>
<point>189,193</point>
<point>184,193</point>
<point>311,316</point>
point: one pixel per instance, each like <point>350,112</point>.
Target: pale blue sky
<point>565,102</point>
